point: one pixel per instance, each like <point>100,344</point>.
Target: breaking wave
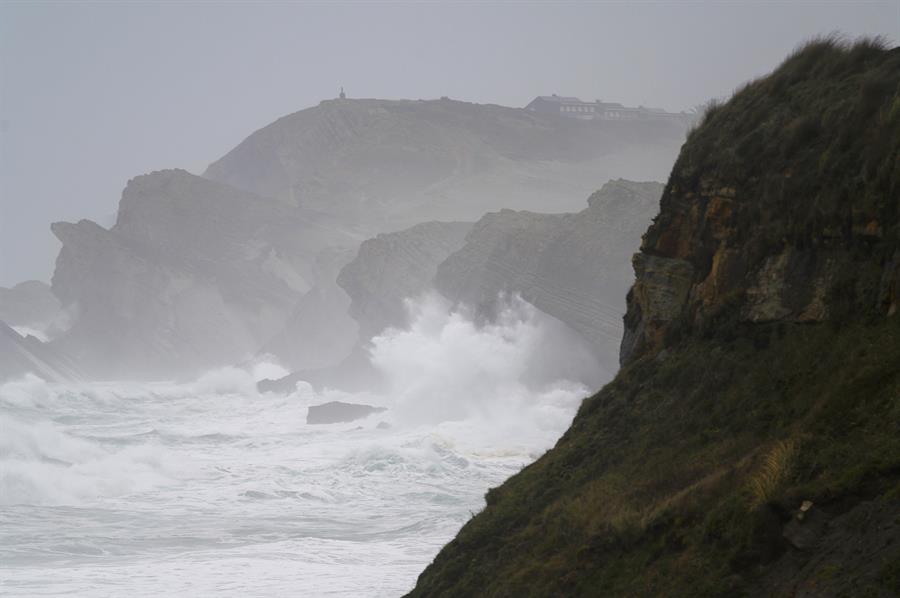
<point>214,476</point>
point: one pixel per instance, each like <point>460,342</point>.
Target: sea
<point>209,487</point>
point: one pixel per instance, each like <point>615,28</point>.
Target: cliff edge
<point>750,445</point>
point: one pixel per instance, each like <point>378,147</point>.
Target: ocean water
<point>212,488</point>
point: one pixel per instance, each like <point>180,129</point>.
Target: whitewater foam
<point>211,487</point>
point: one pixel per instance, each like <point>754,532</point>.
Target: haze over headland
<point>95,94</point>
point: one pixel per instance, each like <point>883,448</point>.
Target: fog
<point>93,94</point>
<point>277,506</point>
<point>288,287</point>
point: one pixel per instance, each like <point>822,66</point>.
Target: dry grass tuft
<point>776,466</point>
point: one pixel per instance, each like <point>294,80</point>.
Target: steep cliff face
<point>750,444</point>
<point>779,209</point>
<point>193,274</point>
<point>393,267</point>
<point>574,267</point>
<point>385,165</point>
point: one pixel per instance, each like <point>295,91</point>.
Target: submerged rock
<point>335,412</point>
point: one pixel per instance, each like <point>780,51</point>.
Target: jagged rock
<point>194,274</point>
<point>354,373</point>
<point>571,266</point>
<point>796,266</point>
<point>836,556</point>
<point>806,529</point>
<point>335,412</point>
<point>385,165</point>
<point>660,289</point>
<point>396,266</point>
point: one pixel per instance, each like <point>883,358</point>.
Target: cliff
<point>203,271</point>
<point>319,331</point>
<point>385,165</point>
<point>750,444</point>
<point>393,267</point>
<point>574,267</point>
<point>193,274</point>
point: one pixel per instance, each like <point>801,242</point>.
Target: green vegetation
<point>677,478</point>
<point>812,150</point>
<point>681,477</point>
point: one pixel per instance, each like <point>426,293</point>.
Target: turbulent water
<point>209,487</point>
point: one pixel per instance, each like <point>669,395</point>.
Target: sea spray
<point>213,487</point>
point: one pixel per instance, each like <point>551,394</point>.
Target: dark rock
<point>806,528</point>
<point>337,412</point>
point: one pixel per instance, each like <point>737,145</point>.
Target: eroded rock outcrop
<point>393,267</point>
<point>733,238</point>
<point>335,412</point>
<point>574,267</point>
<point>194,274</point>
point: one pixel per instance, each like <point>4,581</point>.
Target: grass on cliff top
<point>677,478</point>
<point>811,148</point>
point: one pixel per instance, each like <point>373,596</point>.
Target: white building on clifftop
<point>573,107</point>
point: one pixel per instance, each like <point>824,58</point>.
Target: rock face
<point>393,267</point>
<point>319,331</point>
<point>193,274</point>
<point>734,238</point>
<point>574,267</point>
<point>27,355</point>
<point>386,165</point>
<point>198,272</point>
<point>760,379</point>
<point>336,412</point>
<point>31,305</point>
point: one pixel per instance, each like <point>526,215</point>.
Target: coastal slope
<point>750,445</point>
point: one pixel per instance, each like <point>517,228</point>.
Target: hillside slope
<point>385,165</point>
<point>751,443</point>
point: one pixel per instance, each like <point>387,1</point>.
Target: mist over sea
<point>210,487</point>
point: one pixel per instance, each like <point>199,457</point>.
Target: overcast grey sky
<point>93,94</point>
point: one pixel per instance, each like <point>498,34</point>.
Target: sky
<point>93,94</point>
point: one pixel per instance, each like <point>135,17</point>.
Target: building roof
<point>556,98</point>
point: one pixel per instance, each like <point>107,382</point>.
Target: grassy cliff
<point>750,445</point>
